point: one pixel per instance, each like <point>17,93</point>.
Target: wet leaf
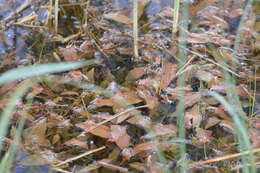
<point>101,131</point>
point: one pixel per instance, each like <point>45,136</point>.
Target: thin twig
<point>221,158</point>
<point>135,29</point>
<point>80,156</point>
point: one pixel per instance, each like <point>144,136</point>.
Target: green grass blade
<point>10,107</point>
<point>241,133</point>
<point>175,17</point>
<point>42,69</point>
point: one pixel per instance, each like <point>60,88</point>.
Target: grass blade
<point>42,69</point>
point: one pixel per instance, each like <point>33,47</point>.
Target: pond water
<point>20,39</point>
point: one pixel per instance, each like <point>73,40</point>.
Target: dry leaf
<point>70,53</point>
<point>147,146</point>
<point>150,99</point>
<point>118,17</point>
<point>127,153</point>
<point>218,112</point>
<point>205,76</point>
<point>35,135</point>
<point>101,131</point>
<point>162,130</point>
<point>203,136</point>
<point>141,121</point>
<point>228,126</point>
<point>211,121</point>
<point>136,73</point>
<point>76,142</point>
<point>193,118</point>
<point>191,99</point>
<point>168,74</point>
<point>119,135</point>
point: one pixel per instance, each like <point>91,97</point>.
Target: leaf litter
<point>107,116</point>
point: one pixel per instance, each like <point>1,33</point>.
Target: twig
<point>222,158</point>
<point>135,29</point>
<point>12,15</point>
<point>80,156</point>
<point>111,166</point>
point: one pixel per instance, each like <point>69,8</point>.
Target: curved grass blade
<point>9,108</point>
<point>241,133</point>
<point>42,69</point>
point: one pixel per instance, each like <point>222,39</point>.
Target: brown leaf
<point>101,131</point>
<point>141,121</point>
<point>168,74</point>
<point>218,112</point>
<point>136,73</point>
<point>203,136</point>
<point>205,76</point>
<point>35,135</point>
<point>146,146</point>
<point>162,130</point>
<point>150,98</point>
<point>104,102</point>
<point>227,125</point>
<point>119,135</point>
<point>138,166</point>
<point>127,153</point>
<point>129,97</point>
<point>193,118</point>
<point>118,17</point>
<point>76,142</point>
<point>70,53</point>
<point>211,121</point>
<point>191,99</point>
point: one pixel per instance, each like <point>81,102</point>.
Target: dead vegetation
<point>120,115</point>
